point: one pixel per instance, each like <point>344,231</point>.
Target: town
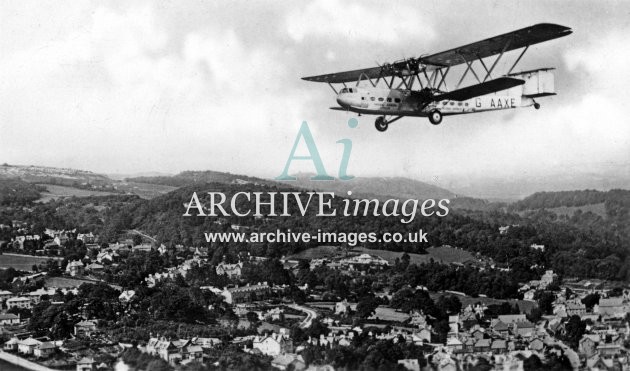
<point>95,305</point>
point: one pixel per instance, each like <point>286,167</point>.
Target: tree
<point>545,301</point>
<point>590,300</point>
<point>367,306</point>
<point>137,239</point>
<point>574,329</point>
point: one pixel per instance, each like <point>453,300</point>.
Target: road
<point>310,314</point>
<point>135,231</point>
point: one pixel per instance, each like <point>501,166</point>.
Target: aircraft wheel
<point>537,105</point>
<point>435,117</point>
<point>380,123</point>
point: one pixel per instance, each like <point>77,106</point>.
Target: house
<point>289,361</point>
<point>27,346</point>
<point>529,294</point>
<point>547,278</point>
<point>418,319</point>
<point>190,351</point>
<point>9,319</point>
<point>410,364</point>
<point>588,344</point>
<point>44,350</point>
<point>86,237</point>
<point>612,307</point>
<point>4,295</point>
<point>95,267</point>
<point>498,346</point>
<point>166,349</point>
<point>454,344</point>
<point>206,342</point>
<point>537,345</point>
<point>575,308</point>
<point>75,268</point>
<point>231,270</point>
<point>364,260</point>
<point>19,302</point>
<point>343,307</point>
<point>85,328</point>
<point>106,256</point>
<point>11,345</point>
<point>36,296</point>
<point>500,328</point>
<point>246,293</point>
<point>511,318</point>
<point>86,364</point>
<point>126,296</point>
<point>524,328</point>
<point>273,344</point>
<point>482,345</point>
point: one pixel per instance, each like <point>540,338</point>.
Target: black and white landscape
<point>122,122</point>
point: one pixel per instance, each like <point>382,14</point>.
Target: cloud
<point>358,21</point>
<point>127,99</point>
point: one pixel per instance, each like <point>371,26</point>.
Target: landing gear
<point>536,105</point>
<point>435,117</point>
<point>381,124</point>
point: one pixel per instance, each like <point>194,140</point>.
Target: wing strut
<point>518,59</point>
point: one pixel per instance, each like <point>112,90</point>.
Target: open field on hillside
<point>56,191</point>
<point>22,262</point>
<point>145,190</point>
<point>443,254</point>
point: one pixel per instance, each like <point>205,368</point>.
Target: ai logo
<point>314,156</point>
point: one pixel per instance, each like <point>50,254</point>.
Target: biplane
<point>418,86</point>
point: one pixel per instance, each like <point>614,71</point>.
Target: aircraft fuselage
<point>402,102</point>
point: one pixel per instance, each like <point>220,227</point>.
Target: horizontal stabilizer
<point>338,108</point>
<point>502,83</point>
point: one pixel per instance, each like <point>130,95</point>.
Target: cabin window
<point>372,98</point>
<point>380,99</point>
<point>389,99</point>
<point>362,98</point>
<point>397,100</point>
<point>452,103</point>
<point>459,104</point>
<point>466,104</point>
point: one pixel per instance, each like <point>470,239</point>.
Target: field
<point>524,305</point>
<point>145,190</point>
<point>319,252</point>
<point>443,254</point>
<point>21,262</point>
<point>389,314</point>
<point>597,209</point>
<point>55,192</point>
<point>65,282</point>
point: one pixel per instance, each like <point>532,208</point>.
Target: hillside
<point>376,187</point>
<point>53,175</point>
<point>193,177</point>
<point>361,187</point>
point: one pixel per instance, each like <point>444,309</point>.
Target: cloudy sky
<point>135,86</point>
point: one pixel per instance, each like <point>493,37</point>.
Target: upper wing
<point>495,45</point>
<point>481,49</point>
<point>484,88</point>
